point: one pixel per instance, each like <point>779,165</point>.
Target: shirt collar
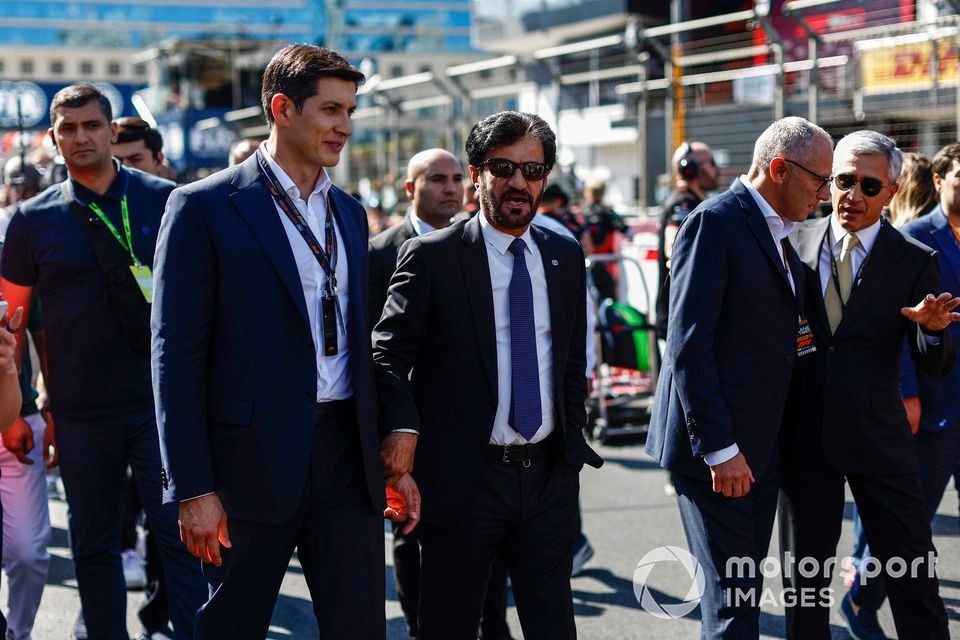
<point>498,239</point>
<point>866,236</point>
<point>116,190</point>
<point>419,225</point>
<point>779,227</point>
<point>321,187</point>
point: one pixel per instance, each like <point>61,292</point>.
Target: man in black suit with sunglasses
<point>489,316</point>
<point>869,287</point>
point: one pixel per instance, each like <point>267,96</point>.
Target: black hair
<point>505,128</point>
<point>295,70</point>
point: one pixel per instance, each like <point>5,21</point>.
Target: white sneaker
<point>133,573</point>
<point>80,627</point>
<point>581,555</point>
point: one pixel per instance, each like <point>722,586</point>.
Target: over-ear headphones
<point>687,167</point>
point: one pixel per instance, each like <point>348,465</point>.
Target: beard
<point>507,216</point>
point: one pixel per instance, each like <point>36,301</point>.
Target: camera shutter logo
<point>645,595</point>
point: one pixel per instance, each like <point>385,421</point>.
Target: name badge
<point>144,278</point>
<point>328,308</point>
<point>805,344</point>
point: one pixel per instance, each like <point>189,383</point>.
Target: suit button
<point>831,349</point>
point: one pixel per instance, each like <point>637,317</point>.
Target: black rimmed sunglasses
<point>869,186</point>
<point>504,169</point>
<point>824,180</point>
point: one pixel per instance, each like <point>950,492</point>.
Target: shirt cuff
<point>202,495</point>
<point>413,431</point>
<point>719,457</point>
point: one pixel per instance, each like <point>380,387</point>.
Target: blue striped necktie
<point>525,409</point>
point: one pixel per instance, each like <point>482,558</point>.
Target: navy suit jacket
<point>436,357</point>
<point>234,367</point>
<point>939,397</point>
<point>731,342</point>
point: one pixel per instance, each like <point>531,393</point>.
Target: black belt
<point>520,453</point>
<point>324,410</point>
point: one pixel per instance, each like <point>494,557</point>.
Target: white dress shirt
<point>501,271</point>
<point>860,252</point>
<point>333,372</point>
<point>779,229</point>
<point>419,225</point>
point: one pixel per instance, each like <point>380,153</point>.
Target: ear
<point>52,136</point>
<point>408,185</point>
<point>280,106</point>
<point>937,181</point>
<point>475,176</point>
<point>114,132</point>
<point>777,170</point>
<point>159,157</point>
<point>893,191</point>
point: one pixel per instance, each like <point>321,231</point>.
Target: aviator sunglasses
<point>504,169</point>
<point>869,186</point>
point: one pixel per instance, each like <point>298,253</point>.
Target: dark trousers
<point>897,526</point>
<point>339,537</point>
<point>526,514</point>
<point>406,575</point>
<point>938,454</point>
<point>94,455</point>
<point>718,529</point>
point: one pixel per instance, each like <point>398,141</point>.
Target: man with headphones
<point>696,174</point>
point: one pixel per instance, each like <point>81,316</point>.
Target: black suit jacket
<point>234,364</point>
<point>436,360</point>
<point>383,261</point>
<point>731,345</point>
<point>854,408</point>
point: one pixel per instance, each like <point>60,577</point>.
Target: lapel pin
<point>554,263</point>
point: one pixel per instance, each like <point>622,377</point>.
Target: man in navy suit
<point>262,368</point>
<point>736,328</point>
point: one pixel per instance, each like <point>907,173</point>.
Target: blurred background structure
<point>598,70</point>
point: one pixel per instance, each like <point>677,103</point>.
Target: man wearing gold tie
<point>869,287</point>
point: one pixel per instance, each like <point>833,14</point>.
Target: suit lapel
<point>809,243</point>
<point>758,225</point>
<point>943,236</point>
<point>476,276</point>
<point>881,261</point>
<point>555,287</point>
<point>255,205</point>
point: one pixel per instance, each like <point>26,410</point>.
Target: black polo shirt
<point>93,369</point>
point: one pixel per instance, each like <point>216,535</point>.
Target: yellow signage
<point>905,66</point>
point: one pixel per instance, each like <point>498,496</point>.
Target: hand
<point>912,407</point>
<point>403,502</point>
<point>203,523</point>
<point>18,440</point>
<point>396,454</point>
<point>8,343</point>
<point>13,322</point>
<point>51,455</point>
<point>933,314</point>
<point>733,477</point>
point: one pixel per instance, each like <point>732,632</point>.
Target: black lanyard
<point>835,272</point>
<point>282,198</point>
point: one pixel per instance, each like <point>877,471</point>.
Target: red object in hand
<point>396,501</point>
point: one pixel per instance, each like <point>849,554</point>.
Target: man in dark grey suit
<point>480,352</point>
<point>869,288</point>
<point>736,328</point>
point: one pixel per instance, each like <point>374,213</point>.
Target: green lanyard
<point>125,214</point>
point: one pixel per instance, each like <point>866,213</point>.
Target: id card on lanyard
<point>141,272</point>
<point>326,256</point>
<point>805,340</point>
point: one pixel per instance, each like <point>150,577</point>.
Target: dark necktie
<point>525,410</point>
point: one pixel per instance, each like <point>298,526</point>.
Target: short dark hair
<point>943,161</point>
<point>505,128</point>
<point>556,192</point>
<point>133,129</point>
<point>77,95</point>
<point>295,70</point>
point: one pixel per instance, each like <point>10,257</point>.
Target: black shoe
<point>863,625</point>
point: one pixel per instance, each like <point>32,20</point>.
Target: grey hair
<point>866,142</point>
<point>790,137</point>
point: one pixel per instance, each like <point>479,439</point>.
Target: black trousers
<point>529,516</point>
<point>897,526</point>
<point>339,537</point>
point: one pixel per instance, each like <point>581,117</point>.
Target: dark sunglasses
<point>504,169</point>
<point>823,179</point>
<point>869,186</point>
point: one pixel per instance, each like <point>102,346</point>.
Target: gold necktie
<point>834,301</point>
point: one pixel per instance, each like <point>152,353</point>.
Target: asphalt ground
<point>626,515</point>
